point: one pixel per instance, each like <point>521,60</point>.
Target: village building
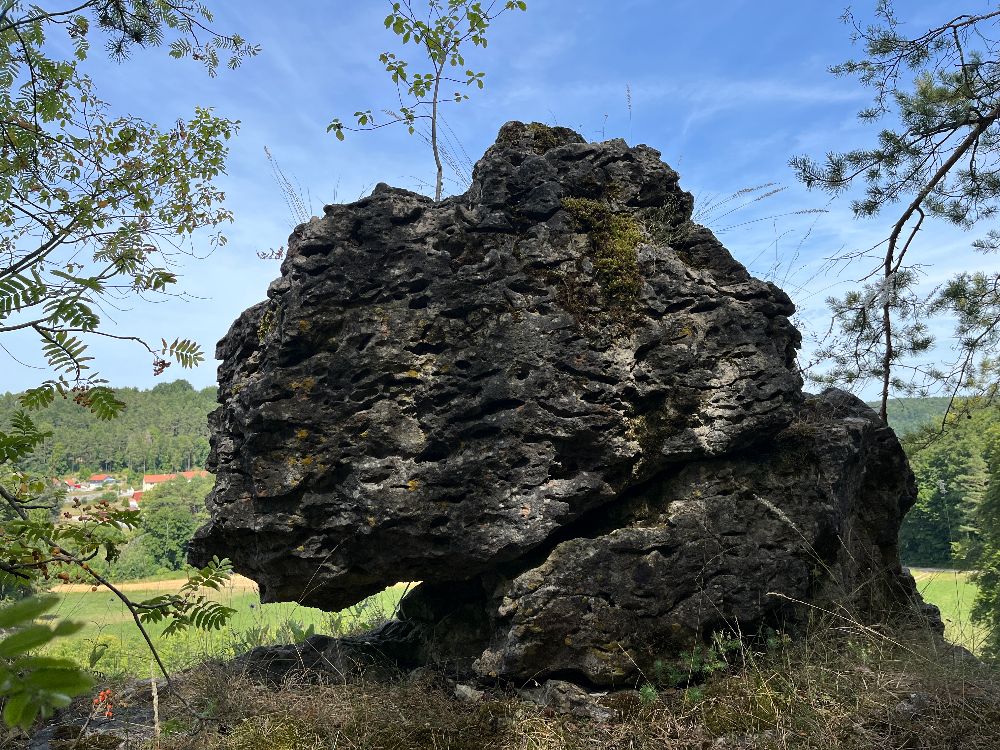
<point>149,481</point>
<point>100,481</point>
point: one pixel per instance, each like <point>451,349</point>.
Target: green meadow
<point>109,634</point>
<point>953,593</point>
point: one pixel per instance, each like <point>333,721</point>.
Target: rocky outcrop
<point>562,406</point>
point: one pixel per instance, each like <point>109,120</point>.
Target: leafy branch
<point>93,208</point>
<point>441,32</point>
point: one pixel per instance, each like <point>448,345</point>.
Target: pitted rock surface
<point>810,518</point>
<point>559,403</point>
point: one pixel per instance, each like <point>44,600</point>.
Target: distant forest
<point>957,470</point>
<point>909,414</point>
<point>164,429</point>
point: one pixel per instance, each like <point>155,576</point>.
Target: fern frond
<point>101,401</point>
<point>72,312</point>
<point>43,395</point>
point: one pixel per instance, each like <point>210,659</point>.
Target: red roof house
<point>151,480</point>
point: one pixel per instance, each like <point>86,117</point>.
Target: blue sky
<point>728,91</point>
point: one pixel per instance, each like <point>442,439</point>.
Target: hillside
<point>909,414</point>
<point>162,429</point>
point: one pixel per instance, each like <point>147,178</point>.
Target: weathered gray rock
<point>561,405</point>
<point>567,699</point>
<point>809,518</point>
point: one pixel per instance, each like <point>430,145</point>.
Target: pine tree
<point>938,94</point>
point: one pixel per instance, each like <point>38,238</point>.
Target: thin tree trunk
<point>434,139</point>
<point>887,326</point>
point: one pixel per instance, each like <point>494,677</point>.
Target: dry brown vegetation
<point>839,688</point>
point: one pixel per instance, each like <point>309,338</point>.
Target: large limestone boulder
<point>562,406</point>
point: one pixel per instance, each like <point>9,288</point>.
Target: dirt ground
<point>238,583</point>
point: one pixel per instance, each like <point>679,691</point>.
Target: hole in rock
<point>362,341</point>
<point>480,431</point>
<point>360,375</point>
<point>677,306</point>
<point>500,405</point>
<point>437,450</point>
<point>526,286</point>
<point>368,614</point>
<point>461,312</point>
<point>425,347</point>
<point>376,475</point>
<point>705,305</point>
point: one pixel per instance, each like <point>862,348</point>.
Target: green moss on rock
<point>545,138</point>
<point>542,137</point>
<point>266,325</point>
<point>615,237</point>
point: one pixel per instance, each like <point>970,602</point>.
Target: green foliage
<point>22,439</point>
<point>364,616</point>
<point>286,631</point>
<point>986,608</point>
<point>171,513</point>
<point>191,606</point>
<point>92,204</point>
<point>39,547</point>
<point>907,415</point>
<point>164,429</point>
<point>89,199</point>
<point>691,667</point>
<point>442,35</point>
<point>936,159</point>
<point>952,469</point>
<point>956,519</point>
<point>34,685</point>
<point>648,693</point>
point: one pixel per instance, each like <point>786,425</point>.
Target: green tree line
<point>954,469</point>
<point>164,429</point>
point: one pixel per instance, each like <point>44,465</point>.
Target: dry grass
<point>236,584</point>
<point>411,715</point>
<point>835,690</point>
